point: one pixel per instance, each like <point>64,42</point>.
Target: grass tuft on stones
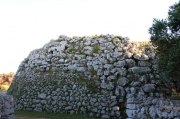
<point>96,48</point>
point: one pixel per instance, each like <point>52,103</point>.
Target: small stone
<point>131,106</point>
<point>133,90</point>
<point>130,63</point>
<point>149,87</point>
<point>42,96</point>
<point>141,57</point>
<point>123,81</point>
<point>118,113</point>
<point>119,91</point>
<point>105,117</point>
<point>152,112</point>
<point>137,70</point>
<point>171,115</point>
<point>131,113</point>
<point>165,115</point>
<point>128,55</point>
<point>120,64</point>
<point>116,108</point>
<point>159,113</point>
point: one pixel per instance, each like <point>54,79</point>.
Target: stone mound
<point>106,76</point>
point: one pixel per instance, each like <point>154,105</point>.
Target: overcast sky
<point>26,25</point>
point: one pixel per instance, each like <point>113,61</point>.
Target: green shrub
<point>165,35</point>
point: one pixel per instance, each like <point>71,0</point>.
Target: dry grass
<point>4,87</point>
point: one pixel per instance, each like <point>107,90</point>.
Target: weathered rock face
<point>6,107</point>
<point>104,76</point>
<point>6,79</point>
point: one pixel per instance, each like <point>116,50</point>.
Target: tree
<point>165,35</point>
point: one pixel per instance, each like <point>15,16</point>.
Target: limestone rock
<point>149,87</point>
<point>130,63</point>
<point>131,106</point>
<point>105,117</point>
<point>137,70</point>
<point>144,63</point>
<point>120,64</point>
<point>159,113</point>
<point>42,96</point>
<point>6,107</point>
<point>152,112</point>
<point>141,57</point>
<point>131,113</point>
<point>123,81</point>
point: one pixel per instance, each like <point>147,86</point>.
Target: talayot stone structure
<point>105,76</point>
<point>6,107</point>
<point>6,79</point>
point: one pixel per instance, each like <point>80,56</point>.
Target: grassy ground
<point>22,114</point>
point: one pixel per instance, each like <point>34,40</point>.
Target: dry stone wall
<point>105,76</point>
<point>6,107</point>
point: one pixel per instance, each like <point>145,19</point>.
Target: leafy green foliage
<point>165,35</point>
<point>174,18</point>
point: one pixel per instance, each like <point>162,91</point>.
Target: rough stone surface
<point>106,76</point>
<point>123,81</point>
<point>6,107</point>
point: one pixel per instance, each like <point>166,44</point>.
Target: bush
<point>165,35</point>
